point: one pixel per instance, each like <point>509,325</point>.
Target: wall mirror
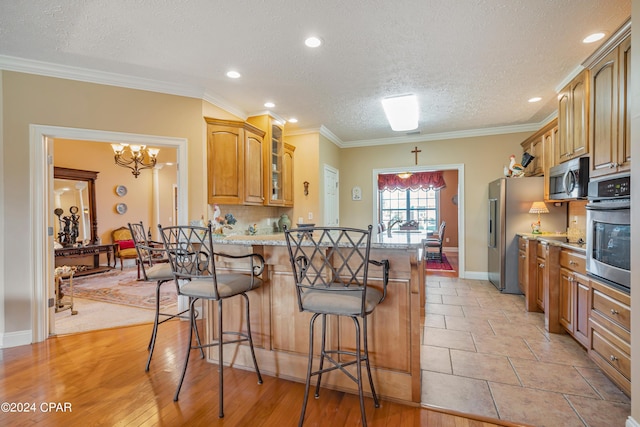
<point>75,203</point>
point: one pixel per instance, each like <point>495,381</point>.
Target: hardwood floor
<point>99,378</point>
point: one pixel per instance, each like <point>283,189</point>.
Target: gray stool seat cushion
<point>339,302</point>
<point>159,272</point>
<point>228,285</point>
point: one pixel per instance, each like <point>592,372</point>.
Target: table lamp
<point>537,208</point>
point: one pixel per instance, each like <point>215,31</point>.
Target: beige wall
<point>483,159</point>
<point>305,168</point>
<point>29,99</point>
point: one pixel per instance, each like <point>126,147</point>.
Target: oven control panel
<point>610,188</point>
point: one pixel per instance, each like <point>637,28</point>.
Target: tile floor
<point>482,353</point>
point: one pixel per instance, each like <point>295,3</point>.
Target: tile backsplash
<point>263,218</point>
<point>578,218</point>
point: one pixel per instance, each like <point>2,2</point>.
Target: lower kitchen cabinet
<point>596,315</point>
<point>573,295</point>
<point>528,273</point>
<point>610,333</point>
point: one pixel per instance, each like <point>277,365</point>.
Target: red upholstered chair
<point>125,246</point>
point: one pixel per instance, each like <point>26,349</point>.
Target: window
<point>420,206</point>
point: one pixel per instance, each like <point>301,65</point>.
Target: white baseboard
<point>15,339</point>
<point>476,275</point>
<point>631,422</point>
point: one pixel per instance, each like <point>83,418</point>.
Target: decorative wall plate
<point>121,208</point>
<point>121,190</point>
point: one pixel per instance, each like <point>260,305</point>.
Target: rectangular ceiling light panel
<point>401,112</point>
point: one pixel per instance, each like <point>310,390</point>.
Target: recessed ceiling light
<point>401,112</point>
<point>313,41</point>
<point>593,38</point>
<point>535,99</point>
<point>233,74</point>
<point>269,104</point>
<point>293,120</point>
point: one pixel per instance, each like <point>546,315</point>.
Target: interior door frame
<point>460,169</point>
<point>327,206</point>
<point>41,173</point>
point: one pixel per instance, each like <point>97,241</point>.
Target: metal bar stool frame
<point>192,259</point>
<point>335,261</point>
<point>154,263</point>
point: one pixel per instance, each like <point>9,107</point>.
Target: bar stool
<point>192,259</point>
<point>154,264</point>
<point>330,266</point>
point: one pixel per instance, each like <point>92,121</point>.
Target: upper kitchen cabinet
<point>609,139</point>
<point>573,118</point>
<point>541,146</point>
<point>234,162</point>
<point>278,166</point>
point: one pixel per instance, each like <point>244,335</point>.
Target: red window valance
<point>417,181</point>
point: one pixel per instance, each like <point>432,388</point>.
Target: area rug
<point>122,287</point>
<point>436,265</point>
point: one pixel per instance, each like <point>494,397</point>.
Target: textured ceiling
<point>472,63</point>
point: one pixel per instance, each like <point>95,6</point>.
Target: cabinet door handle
<point>541,265</point>
<point>572,262</point>
<point>613,358</point>
<point>614,312</point>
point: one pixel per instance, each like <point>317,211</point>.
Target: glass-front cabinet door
<point>274,179</point>
<point>277,193</point>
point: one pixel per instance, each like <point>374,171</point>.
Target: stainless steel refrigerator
<point>509,202</point>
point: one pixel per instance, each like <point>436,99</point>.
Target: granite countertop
<point>556,240</point>
<point>398,240</point>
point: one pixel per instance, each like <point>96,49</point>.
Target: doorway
<point>454,198</point>
<point>41,169</point>
<point>331,197</point>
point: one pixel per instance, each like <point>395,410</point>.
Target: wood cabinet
<point>528,273</point>
<point>542,250</point>
<point>610,333</point>
<point>573,118</point>
<point>541,146</point>
<point>609,137</point>
<point>278,170</point>
<point>552,282</point>
<point>234,162</point>
<point>573,295</point>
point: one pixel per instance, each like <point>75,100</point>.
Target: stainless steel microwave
<point>569,180</point>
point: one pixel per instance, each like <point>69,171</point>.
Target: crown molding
<point>225,105</point>
<point>29,66</point>
<point>444,135</point>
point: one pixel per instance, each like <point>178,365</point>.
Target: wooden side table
<point>60,304</point>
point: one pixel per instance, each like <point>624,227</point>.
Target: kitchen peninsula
<point>280,331</point>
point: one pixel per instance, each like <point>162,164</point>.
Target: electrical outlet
<point>446,239</point>
<point>310,215</point>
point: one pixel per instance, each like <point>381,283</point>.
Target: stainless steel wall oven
<point>609,230</point>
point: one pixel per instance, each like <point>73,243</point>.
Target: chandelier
<point>135,157</point>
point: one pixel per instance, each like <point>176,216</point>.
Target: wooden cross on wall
<point>416,151</point>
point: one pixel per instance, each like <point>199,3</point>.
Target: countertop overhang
<point>397,240</point>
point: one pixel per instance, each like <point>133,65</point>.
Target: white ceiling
<point>472,63</point>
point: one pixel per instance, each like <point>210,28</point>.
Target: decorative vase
<point>284,221</point>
